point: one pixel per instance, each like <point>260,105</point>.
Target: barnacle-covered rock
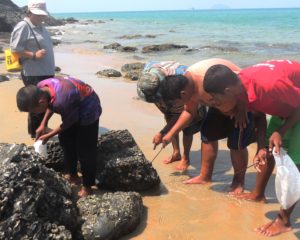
<point>111,215</point>
<point>35,203</point>
<point>121,164</point>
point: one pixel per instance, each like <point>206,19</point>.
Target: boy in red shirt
<point>271,87</point>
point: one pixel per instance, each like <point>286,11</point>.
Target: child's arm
<point>187,115</point>
<point>276,138</point>
<point>49,135</point>
<point>41,129</point>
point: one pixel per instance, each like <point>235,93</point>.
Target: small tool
<point>157,155</point>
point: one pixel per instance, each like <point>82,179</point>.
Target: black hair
<point>171,87</point>
<point>218,77</point>
<point>28,97</point>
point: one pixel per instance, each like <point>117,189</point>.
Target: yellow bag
<point>12,61</point>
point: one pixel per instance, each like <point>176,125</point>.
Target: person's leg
<point>209,152</point>
<point>239,159</point>
<point>87,150</point>
<point>185,159</point>
<point>176,156</point>
<point>280,224</point>
<point>238,141</point>
<point>262,178</point>
<point>67,139</point>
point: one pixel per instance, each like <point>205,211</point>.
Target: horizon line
<point>189,9</point>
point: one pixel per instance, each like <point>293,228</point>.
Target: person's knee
<point>209,147</point>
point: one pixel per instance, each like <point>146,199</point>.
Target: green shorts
<point>291,140</point>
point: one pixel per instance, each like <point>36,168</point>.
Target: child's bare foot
<point>73,179</point>
<point>173,158</point>
<point>198,180</point>
<point>183,164</point>
<point>85,191</point>
<point>236,188</point>
<point>273,228</point>
<point>251,197</point>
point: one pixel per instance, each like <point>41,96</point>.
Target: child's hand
<point>275,141</point>
<point>260,159</point>
<point>157,140</point>
<point>40,131</point>
<point>45,138</point>
<point>240,115</point>
<point>166,140</point>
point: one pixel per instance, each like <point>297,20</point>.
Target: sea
<point>244,36</point>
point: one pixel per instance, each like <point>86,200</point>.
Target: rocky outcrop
<point>35,202</point>
<point>11,14</point>
<point>38,204</point>
<point>162,47</point>
<point>111,215</point>
<point>122,165</point>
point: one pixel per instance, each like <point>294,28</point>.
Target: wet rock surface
<point>121,164</point>
<point>35,202</point>
<point>111,215</point>
<point>3,78</point>
<point>162,47</point>
<point>109,73</point>
<point>133,71</point>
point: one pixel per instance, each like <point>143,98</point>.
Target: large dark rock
<point>35,202</point>
<point>111,215</point>
<point>162,47</point>
<point>11,14</point>
<point>122,165</point>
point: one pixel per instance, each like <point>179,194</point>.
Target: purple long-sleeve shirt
<point>74,100</point>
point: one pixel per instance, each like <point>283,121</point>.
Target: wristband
<point>34,56</point>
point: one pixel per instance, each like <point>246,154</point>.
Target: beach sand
<point>173,210</point>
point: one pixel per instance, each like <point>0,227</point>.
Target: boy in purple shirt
<point>80,109</point>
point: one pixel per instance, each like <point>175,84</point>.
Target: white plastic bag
<point>287,180</point>
<point>40,148</point>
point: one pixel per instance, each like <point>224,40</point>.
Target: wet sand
<point>173,210</point>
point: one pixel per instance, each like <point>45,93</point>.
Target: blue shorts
<point>218,126</point>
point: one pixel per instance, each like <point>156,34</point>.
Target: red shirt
<point>273,87</point>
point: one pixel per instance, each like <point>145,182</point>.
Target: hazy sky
<point>56,6</point>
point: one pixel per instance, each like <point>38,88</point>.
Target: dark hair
<point>171,87</point>
<point>218,77</point>
<point>28,97</point>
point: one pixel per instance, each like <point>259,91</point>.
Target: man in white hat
<point>32,42</point>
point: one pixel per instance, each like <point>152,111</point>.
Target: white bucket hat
<point>38,7</point>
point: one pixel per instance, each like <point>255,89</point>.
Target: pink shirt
<point>273,87</point>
